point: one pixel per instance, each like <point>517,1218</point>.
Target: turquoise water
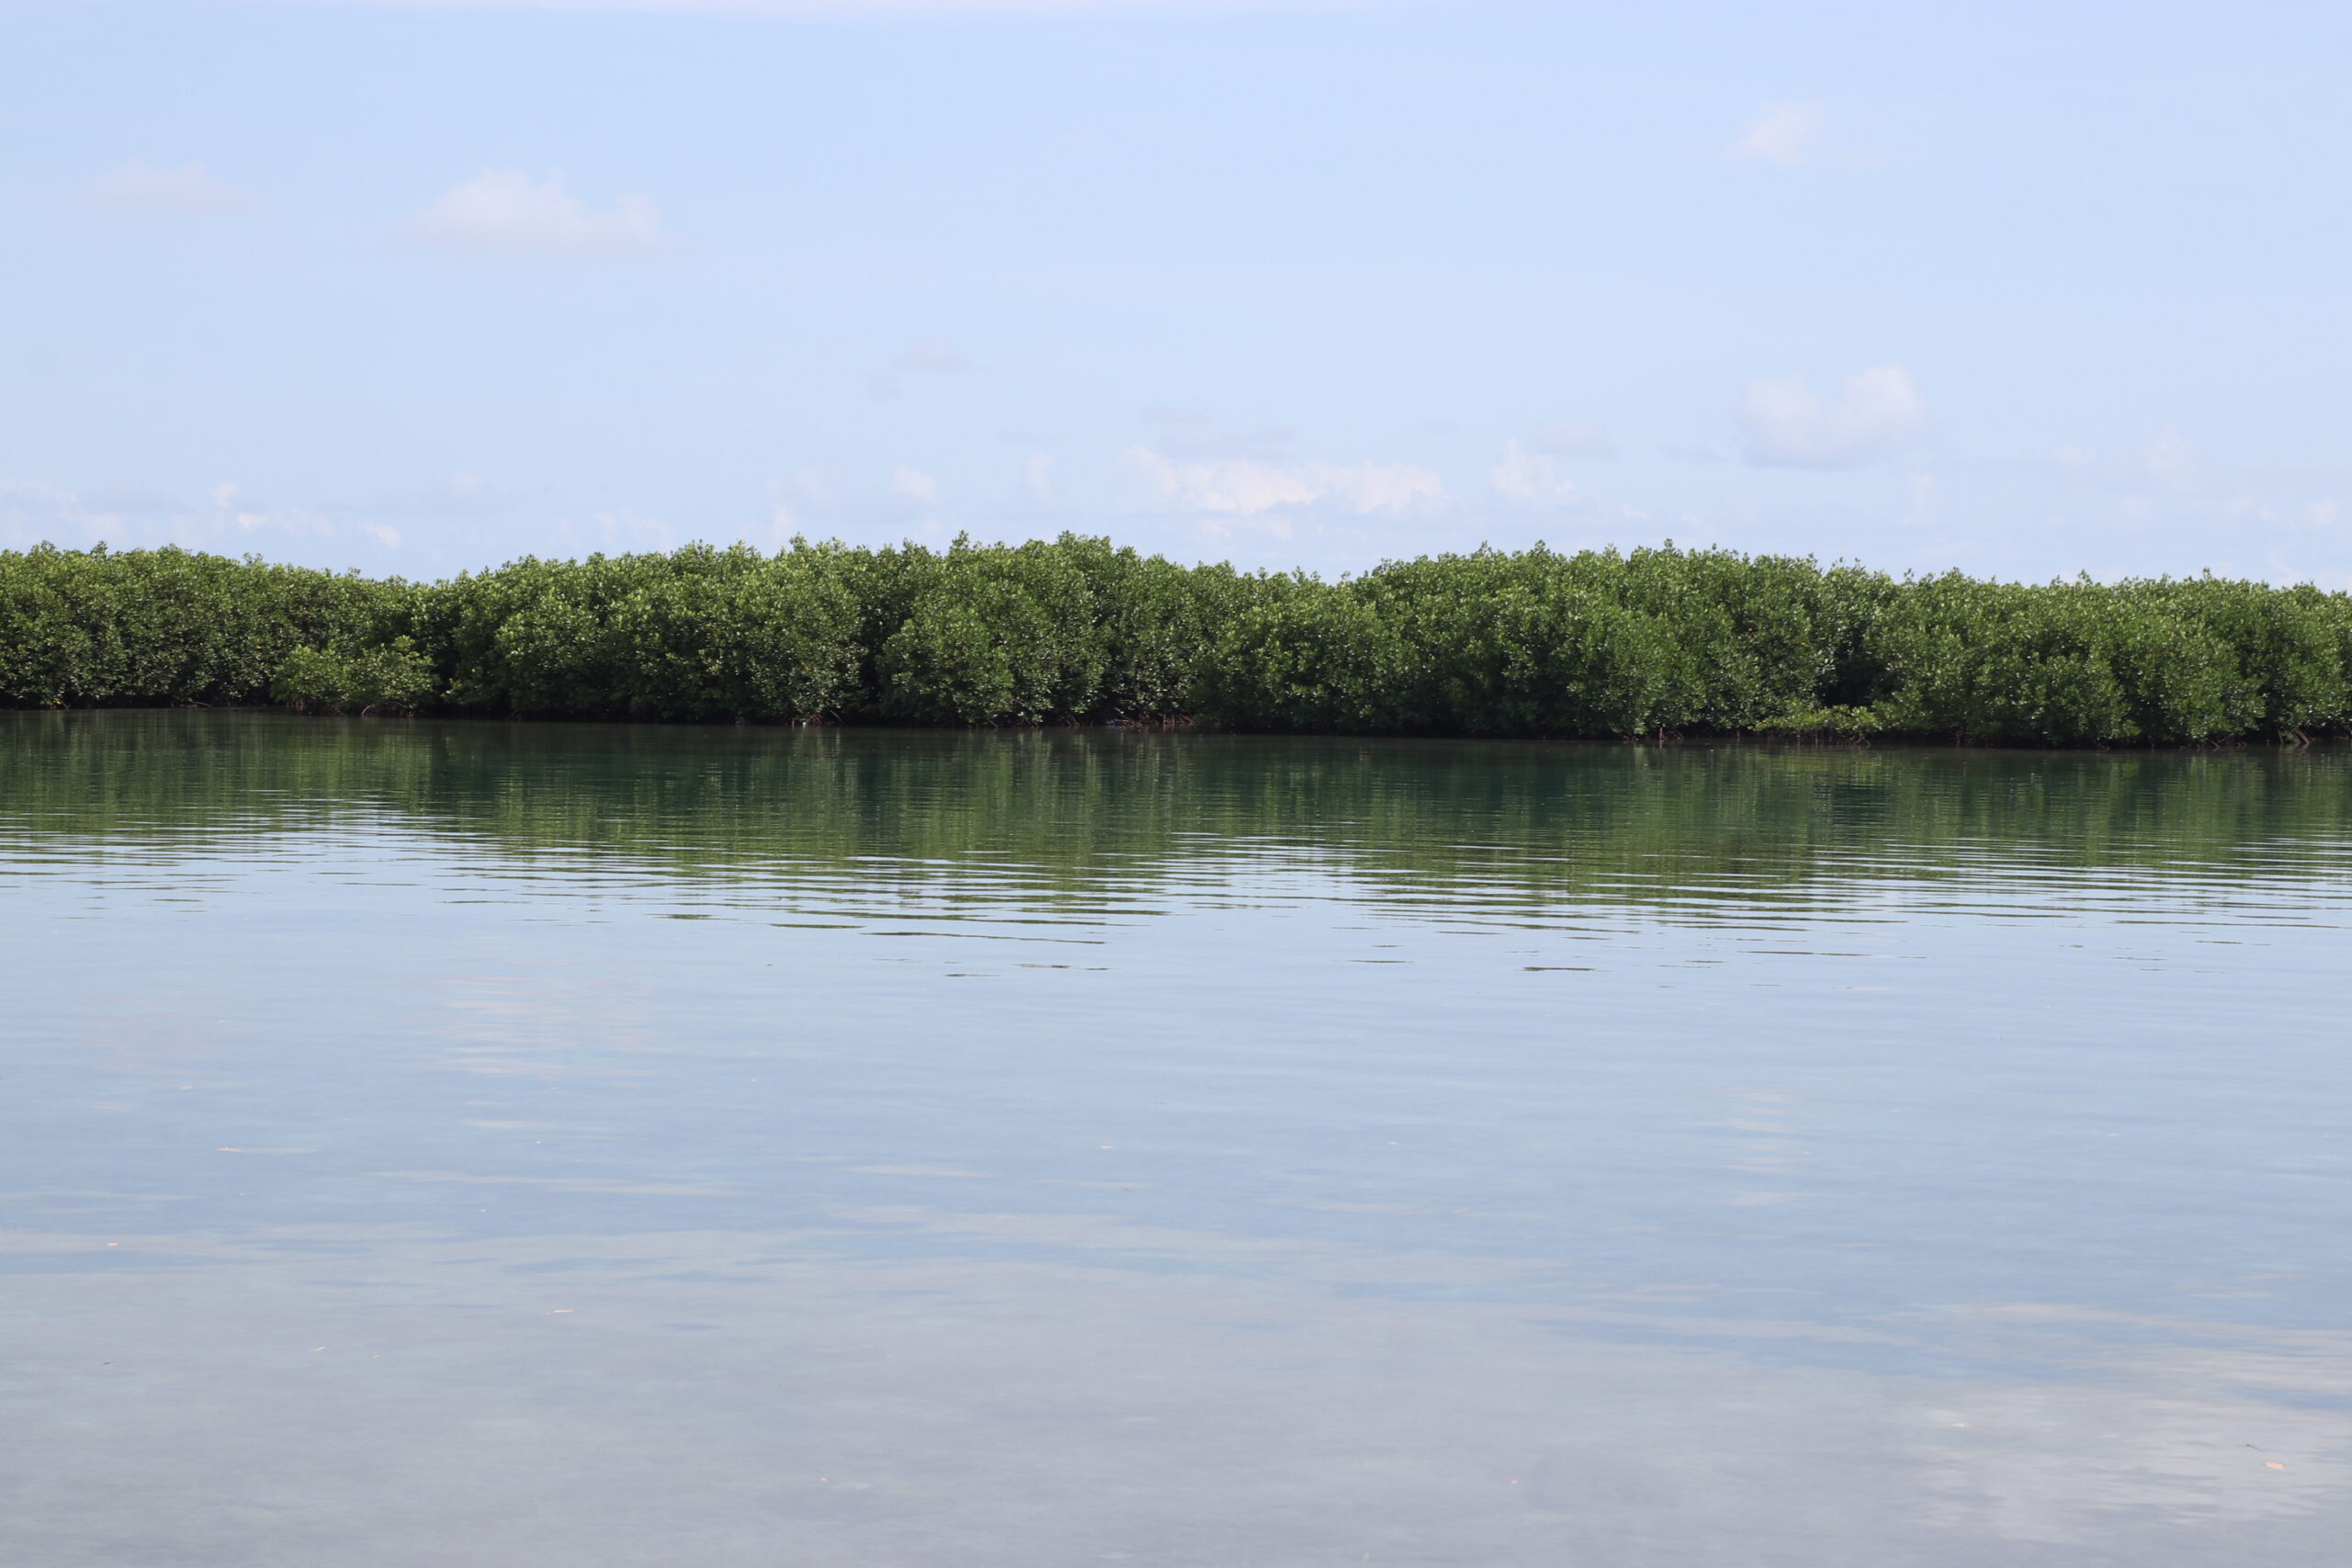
<point>532,1145</point>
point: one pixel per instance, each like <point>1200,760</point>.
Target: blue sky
<point>2024,289</point>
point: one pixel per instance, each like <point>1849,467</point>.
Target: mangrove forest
<point>1532,643</point>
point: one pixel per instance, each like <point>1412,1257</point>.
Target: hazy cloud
<point>2169,462</point>
<point>133,516</point>
<point>1191,433</point>
<point>1573,438</point>
<point>617,531</point>
<point>1527,477</point>
<point>190,188</point>
<point>932,354</point>
<point>913,484</point>
<point>1037,479</point>
<point>504,210</point>
<point>815,489</point>
<point>1782,134</point>
<point>1246,487</point>
<point>1876,414</point>
<point>929,357</point>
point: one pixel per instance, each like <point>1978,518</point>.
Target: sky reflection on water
<point>601,1145</point>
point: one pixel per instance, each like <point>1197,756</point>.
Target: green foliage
<point>993,636</point>
<point>697,634</point>
<point>92,628</point>
<point>2077,664</point>
<point>1813,721</point>
<point>390,678</point>
<point>1077,631</point>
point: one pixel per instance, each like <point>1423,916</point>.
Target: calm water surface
<point>432,1146</point>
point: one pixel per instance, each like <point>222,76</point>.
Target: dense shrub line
<point>1530,643</point>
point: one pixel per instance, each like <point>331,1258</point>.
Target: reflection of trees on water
<point>1094,810</point>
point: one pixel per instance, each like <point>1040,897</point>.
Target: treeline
<point>1532,643</point>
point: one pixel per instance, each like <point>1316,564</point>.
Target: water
<point>529,1145</point>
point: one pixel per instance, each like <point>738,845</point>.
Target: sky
<point>422,286</point>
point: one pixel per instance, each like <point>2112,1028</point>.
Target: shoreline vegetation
<point>1534,643</point>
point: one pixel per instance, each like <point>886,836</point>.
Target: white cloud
<point>932,354</point>
<point>812,487</point>
<point>188,188</point>
<point>1876,414</point>
<point>929,355</point>
<point>1527,479</point>
<point>1037,477</point>
<point>619,531</point>
<point>132,517</point>
<point>2169,462</point>
<point>1191,433</point>
<point>777,531</point>
<point>1782,134</point>
<point>1245,486</point>
<point>825,499</point>
<point>1573,438</point>
<point>504,210</point>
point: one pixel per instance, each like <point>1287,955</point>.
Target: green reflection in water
<point>1071,808</point>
